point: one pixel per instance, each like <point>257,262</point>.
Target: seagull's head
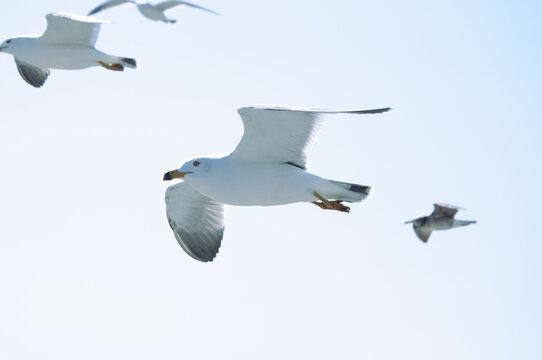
<point>190,168</point>
<point>15,44</point>
<point>8,44</point>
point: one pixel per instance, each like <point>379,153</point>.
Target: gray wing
<point>169,4</point>
<point>278,134</point>
<point>196,220</point>
<point>445,210</point>
<point>33,75</point>
<point>422,233</point>
<point>72,29</point>
<point>109,4</point>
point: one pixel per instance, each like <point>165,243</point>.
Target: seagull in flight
<point>268,167</point>
<point>68,43</point>
<point>150,11</point>
<point>442,218</point>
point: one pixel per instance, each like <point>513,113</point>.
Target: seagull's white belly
<point>151,12</point>
<point>249,184</point>
<point>440,224</point>
<point>61,56</point>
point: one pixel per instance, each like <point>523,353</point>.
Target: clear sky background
<point>89,268</point>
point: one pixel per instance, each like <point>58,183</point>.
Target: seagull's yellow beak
<point>175,174</point>
<point>2,47</point>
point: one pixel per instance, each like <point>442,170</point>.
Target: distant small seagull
<point>150,11</point>
<point>68,43</point>
<point>442,218</point>
<point>268,167</point>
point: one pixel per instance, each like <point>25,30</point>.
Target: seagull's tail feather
<point>355,192</point>
<point>128,62</point>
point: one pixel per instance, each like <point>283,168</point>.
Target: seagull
<point>442,218</point>
<point>268,167</point>
<point>150,11</point>
<point>68,43</point>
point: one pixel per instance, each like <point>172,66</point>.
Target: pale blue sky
<point>88,265</point>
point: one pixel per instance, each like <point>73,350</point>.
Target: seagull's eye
<point>195,163</point>
<point>8,41</point>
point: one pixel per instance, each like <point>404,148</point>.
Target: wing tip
<point>31,74</point>
<point>197,253</point>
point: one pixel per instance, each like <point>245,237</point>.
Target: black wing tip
<point>372,111</point>
<point>95,10</point>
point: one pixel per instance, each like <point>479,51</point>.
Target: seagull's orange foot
<point>330,205</point>
<point>338,205</point>
<point>320,204</point>
<point>114,67</point>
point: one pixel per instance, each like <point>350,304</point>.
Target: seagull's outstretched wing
<point>33,75</point>
<point>422,233</point>
<point>72,29</point>
<point>276,134</point>
<point>109,4</point>
<point>445,210</point>
<point>196,221</point>
<point>169,4</point>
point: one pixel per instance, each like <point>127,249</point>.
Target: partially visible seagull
<point>268,167</point>
<point>150,11</point>
<point>68,43</point>
<point>442,218</point>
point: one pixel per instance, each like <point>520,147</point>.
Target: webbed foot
<point>330,205</point>
<point>114,67</point>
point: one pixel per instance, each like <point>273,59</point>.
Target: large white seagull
<point>268,167</point>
